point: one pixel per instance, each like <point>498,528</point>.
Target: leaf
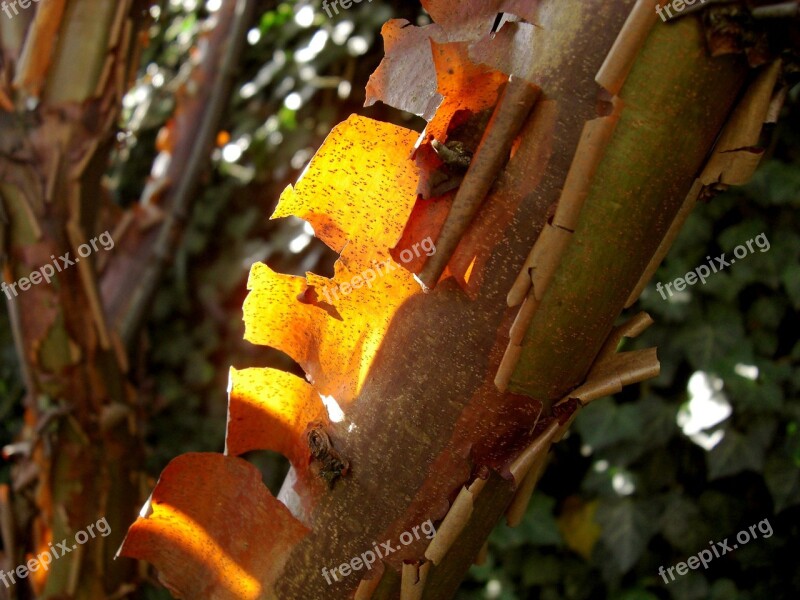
<point>790,277</point>
<point>775,183</point>
<point>658,422</point>
<point>783,481</point>
<point>637,594</point>
<point>719,333</point>
<point>692,586</point>
<point>724,513</point>
<point>756,396</point>
<point>538,526</point>
<point>541,569</point>
<point>682,524</point>
<point>602,424</point>
<point>724,589</point>
<point>627,528</point>
<point>734,454</point>
<point>578,526</point>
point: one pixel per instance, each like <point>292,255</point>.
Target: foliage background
<point>628,490</point>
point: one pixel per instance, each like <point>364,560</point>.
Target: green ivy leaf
<point>627,528</point>
<point>734,454</point>
<point>538,527</point>
<point>692,586</point>
<point>682,524</point>
<point>724,589</point>
<point>602,424</point>
<point>635,594</point>
<point>790,278</point>
<point>540,570</point>
<point>782,477</point>
<point>717,336</point>
<point>776,184</point>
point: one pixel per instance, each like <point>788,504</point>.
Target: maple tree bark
<point>428,413</point>
<point>454,412</point>
<point>65,68</point>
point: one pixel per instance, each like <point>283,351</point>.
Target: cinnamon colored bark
<point>429,416</point>
<point>628,112</point>
<point>82,421</point>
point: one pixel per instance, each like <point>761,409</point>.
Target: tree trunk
<point>66,66</point>
<point>452,398</point>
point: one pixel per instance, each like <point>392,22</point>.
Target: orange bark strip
<point>359,188</point>
<point>519,505</point>
<point>335,334</point>
<point>357,194</point>
<point>469,19</point>
<point>464,85</point>
<point>413,580</point>
<point>406,77</point>
<point>38,50</point>
<point>630,329</point>
<point>367,587</point>
<point>77,237</point>
<point>426,220</point>
<point>522,465</point>
<point>455,521</point>
<point>213,530</point>
<point>270,409</point>
<point>592,147</point>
